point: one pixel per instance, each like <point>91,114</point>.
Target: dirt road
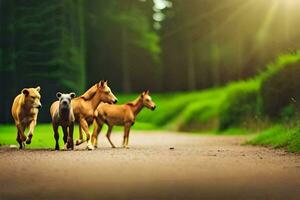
<point>199,167</point>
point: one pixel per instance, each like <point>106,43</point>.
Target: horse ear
<point>58,95</point>
<point>72,95</point>
<point>101,84</point>
<point>25,92</point>
<point>106,82</point>
<point>147,92</point>
<point>38,88</point>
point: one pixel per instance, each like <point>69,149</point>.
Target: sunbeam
<point>266,23</point>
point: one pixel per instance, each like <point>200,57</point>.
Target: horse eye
<point>32,97</point>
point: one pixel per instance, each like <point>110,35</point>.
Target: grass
<point>43,135</point>
<point>279,136</point>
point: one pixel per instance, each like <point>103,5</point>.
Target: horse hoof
<point>28,140</point>
<point>79,142</point>
<point>90,147</point>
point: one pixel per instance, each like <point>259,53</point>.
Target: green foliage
<point>280,86</point>
<point>137,23</point>
<point>240,104</point>
<point>288,112</point>
<point>279,136</point>
<point>201,113</point>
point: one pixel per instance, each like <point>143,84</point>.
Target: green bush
<point>240,104</point>
<point>280,87</point>
<point>279,136</point>
<point>200,115</point>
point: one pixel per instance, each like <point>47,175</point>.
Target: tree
<point>122,45</point>
<point>42,45</point>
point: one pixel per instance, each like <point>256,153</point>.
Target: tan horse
<point>121,115</point>
<point>85,105</point>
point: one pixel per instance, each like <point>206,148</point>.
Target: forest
<point>161,45</point>
<point>175,99</point>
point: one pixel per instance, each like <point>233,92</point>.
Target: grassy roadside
<point>43,136</point>
<point>279,136</point>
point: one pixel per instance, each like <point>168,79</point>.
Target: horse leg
<point>126,135</point>
<point>85,128</point>
<point>108,136</point>
<point>80,140</point>
<point>97,129</point>
<point>128,131</point>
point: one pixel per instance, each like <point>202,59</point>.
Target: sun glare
<point>290,3</point>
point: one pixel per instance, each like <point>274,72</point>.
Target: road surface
<point>199,167</point>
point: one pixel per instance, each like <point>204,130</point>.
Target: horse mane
<point>134,102</point>
<point>130,104</point>
<point>90,93</point>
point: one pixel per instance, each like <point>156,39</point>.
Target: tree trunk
<point>215,52</point>
<point>191,68</point>
<point>191,71</point>
<point>82,44</point>
<point>215,65</point>
<point>125,61</point>
<point>7,60</point>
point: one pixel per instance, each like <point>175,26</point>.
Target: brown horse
<point>121,115</point>
<point>85,105</point>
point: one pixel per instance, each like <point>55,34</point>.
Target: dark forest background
<point>164,46</point>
